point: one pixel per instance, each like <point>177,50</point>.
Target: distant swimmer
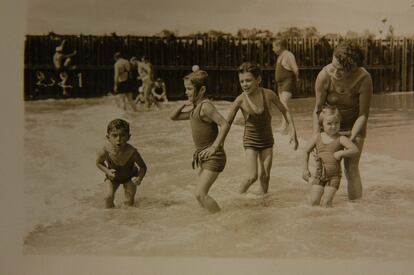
<point>122,83</point>
<point>62,61</point>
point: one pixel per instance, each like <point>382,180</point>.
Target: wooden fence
<point>390,62</point>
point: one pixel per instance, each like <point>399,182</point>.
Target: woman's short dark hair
<point>349,54</point>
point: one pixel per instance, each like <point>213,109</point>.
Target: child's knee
<point>264,178</point>
<point>252,178</point>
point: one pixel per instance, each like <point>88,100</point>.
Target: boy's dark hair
<point>248,67</point>
<point>118,124</point>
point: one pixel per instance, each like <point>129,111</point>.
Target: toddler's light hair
<point>329,111</point>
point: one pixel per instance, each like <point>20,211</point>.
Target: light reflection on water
<point>64,192</point>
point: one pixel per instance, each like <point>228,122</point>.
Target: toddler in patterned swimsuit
<point>331,147</point>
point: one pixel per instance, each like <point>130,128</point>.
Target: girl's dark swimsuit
<point>258,134</point>
<point>204,135</point>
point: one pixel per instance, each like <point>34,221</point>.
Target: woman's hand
<point>338,155</point>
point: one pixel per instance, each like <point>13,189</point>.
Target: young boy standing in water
<point>121,163</point>
<point>205,119</point>
<point>255,103</point>
<point>330,147</point>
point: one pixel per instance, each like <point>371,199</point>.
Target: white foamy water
<point>64,192</point>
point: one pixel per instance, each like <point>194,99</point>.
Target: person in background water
<point>159,90</point>
<point>146,75</point>
<point>121,163</point>
<point>330,147</point>
<point>344,83</point>
<point>205,120</point>
<point>255,103</point>
<point>62,61</point>
<point>122,82</point>
<point>286,75</point>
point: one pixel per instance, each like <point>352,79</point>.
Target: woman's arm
<point>351,150</point>
<point>320,98</point>
<point>365,94</point>
<point>178,113</point>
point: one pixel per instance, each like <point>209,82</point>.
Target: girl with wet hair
<point>209,156</point>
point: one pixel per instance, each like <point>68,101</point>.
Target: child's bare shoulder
<point>269,92</point>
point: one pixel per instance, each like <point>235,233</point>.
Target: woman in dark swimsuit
<point>258,141</point>
<point>347,86</point>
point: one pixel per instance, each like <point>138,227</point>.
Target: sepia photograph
<point>192,137</point>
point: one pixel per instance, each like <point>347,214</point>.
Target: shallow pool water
<point>63,192</point>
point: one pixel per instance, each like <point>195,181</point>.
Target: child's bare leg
<point>130,190</point>
<point>110,194</point>
<point>122,102</point>
<point>316,194</point>
<point>352,173</point>
<point>265,160</point>
<point>130,101</point>
<point>205,180</point>
<point>328,196</point>
<point>251,159</point>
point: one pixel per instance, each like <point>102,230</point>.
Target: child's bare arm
<point>142,168</point>
<point>351,150</point>
<point>287,115</point>
<point>100,163</point>
<point>178,113</point>
<point>305,164</point>
<point>233,109</point>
